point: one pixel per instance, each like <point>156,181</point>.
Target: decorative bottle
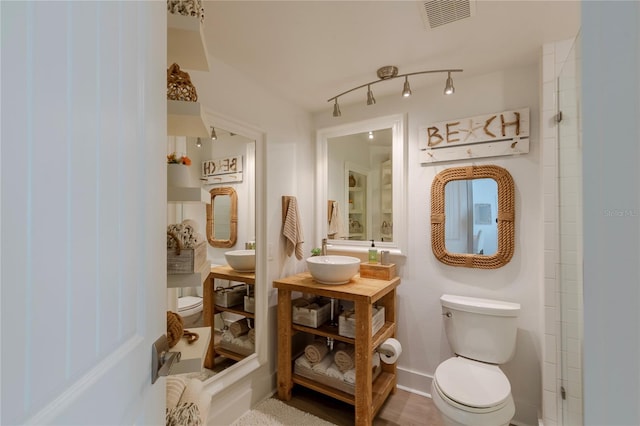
<point>373,253</point>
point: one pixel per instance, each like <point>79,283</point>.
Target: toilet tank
<point>480,329</point>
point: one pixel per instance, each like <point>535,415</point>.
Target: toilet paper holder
<point>384,352</point>
<point>389,351</point>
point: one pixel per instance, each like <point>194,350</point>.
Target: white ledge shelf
<point>185,119</point>
<point>192,355</point>
<point>189,280</point>
<point>182,194</point>
<point>185,42</point>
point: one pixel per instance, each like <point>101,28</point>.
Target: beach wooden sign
<point>495,134</point>
<point>221,170</point>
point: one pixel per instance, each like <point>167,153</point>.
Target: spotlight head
<point>336,109</point>
<point>406,91</point>
<point>370,99</point>
<point>448,87</point>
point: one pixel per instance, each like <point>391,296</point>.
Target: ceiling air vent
<point>436,13</point>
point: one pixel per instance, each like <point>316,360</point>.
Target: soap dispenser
<point>373,253</point>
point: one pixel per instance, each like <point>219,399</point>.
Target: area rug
<point>273,412</point>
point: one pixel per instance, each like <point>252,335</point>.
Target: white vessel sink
<point>241,260</point>
<point>333,269</point>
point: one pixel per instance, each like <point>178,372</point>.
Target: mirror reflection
<point>370,173</point>
<point>226,302</point>
<point>360,186</point>
<point>222,217</point>
<point>471,207</point>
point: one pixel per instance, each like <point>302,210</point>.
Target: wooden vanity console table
<point>364,293</point>
<point>210,308</point>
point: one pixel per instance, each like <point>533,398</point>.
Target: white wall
<point>424,279</point>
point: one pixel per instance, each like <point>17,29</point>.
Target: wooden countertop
<point>367,289</point>
<point>225,272</point>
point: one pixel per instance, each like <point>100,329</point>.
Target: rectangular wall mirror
<point>360,179</point>
<point>473,216</point>
<point>234,218</point>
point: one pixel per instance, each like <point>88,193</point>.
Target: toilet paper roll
<point>389,351</point>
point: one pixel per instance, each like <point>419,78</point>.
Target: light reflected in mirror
<point>360,186</point>
<point>471,207</point>
<point>465,203</point>
<point>222,217</point>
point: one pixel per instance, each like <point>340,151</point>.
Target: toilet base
<point>194,320</point>
<point>447,421</point>
<point>452,416</point>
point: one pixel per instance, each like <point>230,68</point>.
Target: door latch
<point>162,359</point>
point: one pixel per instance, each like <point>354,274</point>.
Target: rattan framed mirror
<point>505,217</point>
<point>222,217</point>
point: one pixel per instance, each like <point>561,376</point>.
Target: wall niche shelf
<point>187,195</point>
<point>192,356</point>
<point>189,280</point>
<point>186,119</point>
<point>185,42</point>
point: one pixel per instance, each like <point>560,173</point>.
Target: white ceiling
<point>310,51</point>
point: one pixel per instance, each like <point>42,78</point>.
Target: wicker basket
<point>179,86</point>
<point>186,8</point>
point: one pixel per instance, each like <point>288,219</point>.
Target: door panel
<point>83,272</point>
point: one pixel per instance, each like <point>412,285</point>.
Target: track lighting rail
<point>391,78</point>
<point>390,73</point>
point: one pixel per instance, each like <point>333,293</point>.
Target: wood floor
<point>401,409</point>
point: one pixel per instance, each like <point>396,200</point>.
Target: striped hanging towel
<point>292,230</point>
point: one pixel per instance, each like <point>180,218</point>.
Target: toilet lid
<point>472,383</point>
<point>188,302</point>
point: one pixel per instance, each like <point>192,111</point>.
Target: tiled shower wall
<point>562,356</point>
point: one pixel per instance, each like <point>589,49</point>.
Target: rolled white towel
<point>376,361</point>
<point>334,371</point>
<point>321,367</point>
<point>303,362</point>
<point>244,341</point>
<point>227,336</point>
<point>350,376</point>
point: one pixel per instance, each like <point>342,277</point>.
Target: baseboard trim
<point>240,397</point>
<point>414,381</point>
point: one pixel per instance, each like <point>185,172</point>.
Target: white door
<point>83,209</point>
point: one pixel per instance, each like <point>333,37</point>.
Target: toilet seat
<point>472,386</point>
<point>189,305</point>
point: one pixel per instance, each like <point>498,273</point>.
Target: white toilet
<point>190,309</point>
<point>470,389</point>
